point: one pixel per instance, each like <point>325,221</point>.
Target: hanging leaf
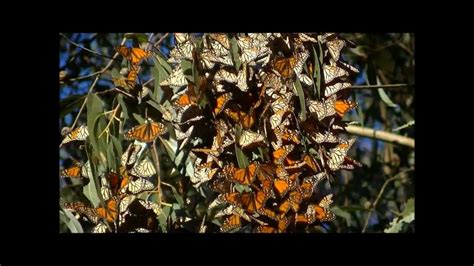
<point>71,222</point>
<point>408,215</point>
<point>234,51</point>
<point>383,95</point>
<point>300,92</point>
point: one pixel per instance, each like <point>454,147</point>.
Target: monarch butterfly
<point>294,200</point>
<point>265,229</point>
<point>322,109</point>
<point>280,154</point>
<point>244,176</point>
<point>183,49</point>
<point>232,209</point>
<point>113,184</point>
<point>138,185</point>
<point>133,73</point>
<point>319,212</point>
<point>232,198</point>
<point>254,202</point>
<point>309,184</point>
<point>82,209</point>
<point>245,119</point>
<point>343,106</point>
<point>287,135</point>
<point>232,222</point>
<point>134,55</point>
<point>185,98</point>
<point>281,172</point>
<point>250,138</point>
<point>284,66</point>
<point>202,173</point>
<point>73,171</point>
<point>175,79</point>
<point>338,154</point>
<point>282,102</point>
<point>221,102</point>
<point>146,132</point>
<point>130,156</point>
<point>149,205</point>
<point>250,54</point>
<point>145,168</point>
<point>348,67</point>
<point>80,133</point>
<point>125,83</point>
<point>335,46</point>
<point>327,137</point>
<point>282,186</point>
<point>265,172</point>
<point>222,39</point>
<point>332,72</point>
<point>311,163</point>
<point>330,90</point>
<point>110,212</point>
<point>100,228</point>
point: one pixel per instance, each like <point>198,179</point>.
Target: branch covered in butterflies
<point>381,135</point>
<point>374,205</point>
<point>95,82</point>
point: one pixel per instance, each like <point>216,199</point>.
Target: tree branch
<point>381,135</point>
<point>388,86</point>
<point>95,81</point>
<point>372,208</point>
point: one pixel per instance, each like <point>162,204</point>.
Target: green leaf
<point>94,112</point>
<point>92,189</point>
<point>139,118</point>
<point>115,73</point>
<point>117,145</point>
<point>140,37</point>
<point>319,70</point>
<point>123,106</point>
<point>242,160</point>
<point>300,92</point>
<point>71,222</point>
<point>344,214</point>
<point>178,198</point>
<point>408,215</point>
<point>234,51</point>
<point>162,62</point>
<point>409,207</point>
<point>383,95</point>
<point>170,148</point>
<point>159,74</point>
<point>187,67</point>
<point>162,218</point>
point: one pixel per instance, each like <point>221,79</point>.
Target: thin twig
<point>85,77</point>
<point>374,205</point>
<point>106,129</point>
<point>93,84</point>
<point>160,40</point>
<point>381,135</point>
<point>387,86</point>
<point>82,47</point>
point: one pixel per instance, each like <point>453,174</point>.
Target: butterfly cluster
<point>263,158</point>
<point>260,115</point>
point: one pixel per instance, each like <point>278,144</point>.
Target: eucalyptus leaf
<point>71,222</point>
<point>300,92</point>
<point>234,51</point>
<point>383,95</point>
<point>139,118</point>
<point>242,160</point>
<point>342,213</point>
